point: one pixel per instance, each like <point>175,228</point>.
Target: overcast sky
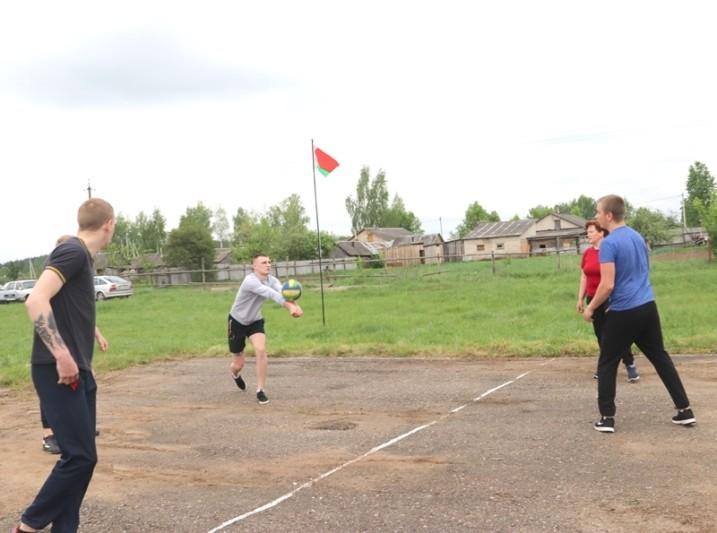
<point>511,104</point>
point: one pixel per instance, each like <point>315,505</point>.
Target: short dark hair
<point>615,205</point>
<point>594,223</point>
<point>93,213</point>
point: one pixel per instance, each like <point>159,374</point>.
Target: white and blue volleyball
<point>291,290</point>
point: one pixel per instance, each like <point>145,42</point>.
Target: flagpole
<point>318,236</point>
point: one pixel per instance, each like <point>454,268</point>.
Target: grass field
<point>527,307</point>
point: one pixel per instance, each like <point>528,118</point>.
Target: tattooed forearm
<point>46,328</point>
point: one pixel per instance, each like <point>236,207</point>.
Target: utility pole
<point>89,189</point>
<point>440,222</point>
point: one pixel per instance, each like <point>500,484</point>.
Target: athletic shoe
<point>684,417</point>
<point>49,444</point>
<point>632,375</point>
<point>261,397</point>
<point>239,381</point>
<point>606,424</point>
<point>595,375</point>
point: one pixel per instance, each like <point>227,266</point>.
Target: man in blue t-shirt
<point>632,314</point>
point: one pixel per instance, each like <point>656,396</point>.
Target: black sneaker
<point>684,417</point>
<point>49,444</point>
<point>606,424</point>
<point>239,381</point>
<point>632,374</point>
<point>261,397</point>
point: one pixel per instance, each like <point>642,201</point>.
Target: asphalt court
<point>182,449</point>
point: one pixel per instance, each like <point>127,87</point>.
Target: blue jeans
<point>72,416</point>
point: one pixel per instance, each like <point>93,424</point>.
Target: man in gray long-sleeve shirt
<point>245,321</point>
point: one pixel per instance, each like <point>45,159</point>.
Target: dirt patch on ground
<point>182,449</point>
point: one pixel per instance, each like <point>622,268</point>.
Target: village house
<point>522,237</point>
<point>415,250</point>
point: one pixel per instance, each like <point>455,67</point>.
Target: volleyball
<point>291,290</point>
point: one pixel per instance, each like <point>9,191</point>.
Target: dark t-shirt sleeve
<point>67,260</point>
<point>73,306</point>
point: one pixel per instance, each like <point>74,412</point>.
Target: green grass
<point>525,308</point>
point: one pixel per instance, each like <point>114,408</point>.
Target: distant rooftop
<point>511,228</point>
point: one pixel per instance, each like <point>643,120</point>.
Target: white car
<point>17,291</point>
<point>7,294</point>
<point>112,287</point>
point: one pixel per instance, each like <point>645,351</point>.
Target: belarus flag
<point>325,162</point>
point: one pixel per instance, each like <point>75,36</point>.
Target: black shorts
<point>238,333</point>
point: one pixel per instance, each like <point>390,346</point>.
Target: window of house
<point>556,224</point>
<point>480,247</point>
<point>499,246</point>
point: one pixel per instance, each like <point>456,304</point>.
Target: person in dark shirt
<point>49,442</point>
<point>62,310</point>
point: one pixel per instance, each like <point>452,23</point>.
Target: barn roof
<point>388,234</point>
<point>426,239</point>
<point>574,219</point>
<point>360,248</point>
<point>510,228</point>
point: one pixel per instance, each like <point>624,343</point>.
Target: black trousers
<point>641,326</point>
<point>43,419</point>
<point>599,316</point>
<point>72,416</point>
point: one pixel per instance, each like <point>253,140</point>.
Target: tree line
<point>698,209</point>
<point>282,231</point>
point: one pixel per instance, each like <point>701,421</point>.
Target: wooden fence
<point>335,268</point>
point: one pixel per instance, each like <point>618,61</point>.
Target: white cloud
<point>133,69</point>
<point>511,104</point>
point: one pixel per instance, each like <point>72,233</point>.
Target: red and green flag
<point>325,162</point>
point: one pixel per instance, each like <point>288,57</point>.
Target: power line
<point>664,198</point>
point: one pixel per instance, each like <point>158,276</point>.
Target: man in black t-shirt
<point>62,310</point>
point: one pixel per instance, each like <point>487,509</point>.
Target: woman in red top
<point>589,281</point>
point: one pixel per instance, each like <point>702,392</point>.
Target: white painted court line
<point>386,444</point>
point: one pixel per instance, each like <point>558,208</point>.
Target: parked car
<point>17,290</point>
<point>6,293</point>
<point>112,287</point>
